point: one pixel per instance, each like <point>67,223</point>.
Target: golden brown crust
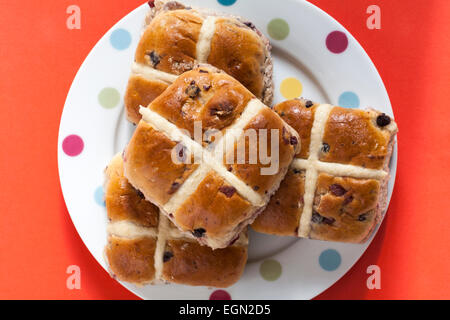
<point>169,44</point>
<point>359,142</point>
<point>352,135</point>
<point>169,41</point>
<point>299,114</point>
<point>131,260</point>
<point>149,166</point>
<point>131,251</point>
<point>344,208</point>
<point>249,172</point>
<point>140,92</point>
<point>282,215</point>
<point>123,202</point>
<point>240,52</point>
<point>193,264</point>
<point>215,207</point>
<point>213,98</point>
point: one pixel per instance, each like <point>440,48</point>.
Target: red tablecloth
<point>39,57</point>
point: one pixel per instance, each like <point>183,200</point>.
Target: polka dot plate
<point>314,57</point>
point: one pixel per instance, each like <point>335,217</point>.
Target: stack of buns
<point>178,208</point>
<point>145,247</point>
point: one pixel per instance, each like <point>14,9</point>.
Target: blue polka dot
<point>330,260</point>
<point>226,2</point>
<point>349,99</point>
<point>120,39</point>
<point>99,196</point>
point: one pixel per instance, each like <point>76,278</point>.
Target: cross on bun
<point>177,38</point>
<point>215,195</point>
<point>336,188</point>
<point>145,247</point>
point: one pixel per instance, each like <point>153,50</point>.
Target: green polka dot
<point>109,98</point>
<point>278,29</point>
<point>270,270</point>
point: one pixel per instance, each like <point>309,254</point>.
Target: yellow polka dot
<point>291,88</point>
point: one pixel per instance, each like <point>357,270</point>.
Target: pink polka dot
<point>220,295</point>
<point>72,145</point>
<point>337,42</point>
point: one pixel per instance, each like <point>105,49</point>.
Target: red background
<point>39,58</point>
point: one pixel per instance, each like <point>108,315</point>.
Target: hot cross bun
<point>336,188</point>
<point>145,247</point>
<point>217,187</point>
<point>176,38</point>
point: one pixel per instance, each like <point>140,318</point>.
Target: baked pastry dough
<point>145,247</point>
<point>214,199</point>
<point>176,38</point>
<point>336,188</point>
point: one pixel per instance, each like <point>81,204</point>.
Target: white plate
<point>302,268</point>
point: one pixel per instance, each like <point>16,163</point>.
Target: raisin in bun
<point>214,195</point>
<point>336,188</point>
<point>145,247</point>
<point>176,38</point>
